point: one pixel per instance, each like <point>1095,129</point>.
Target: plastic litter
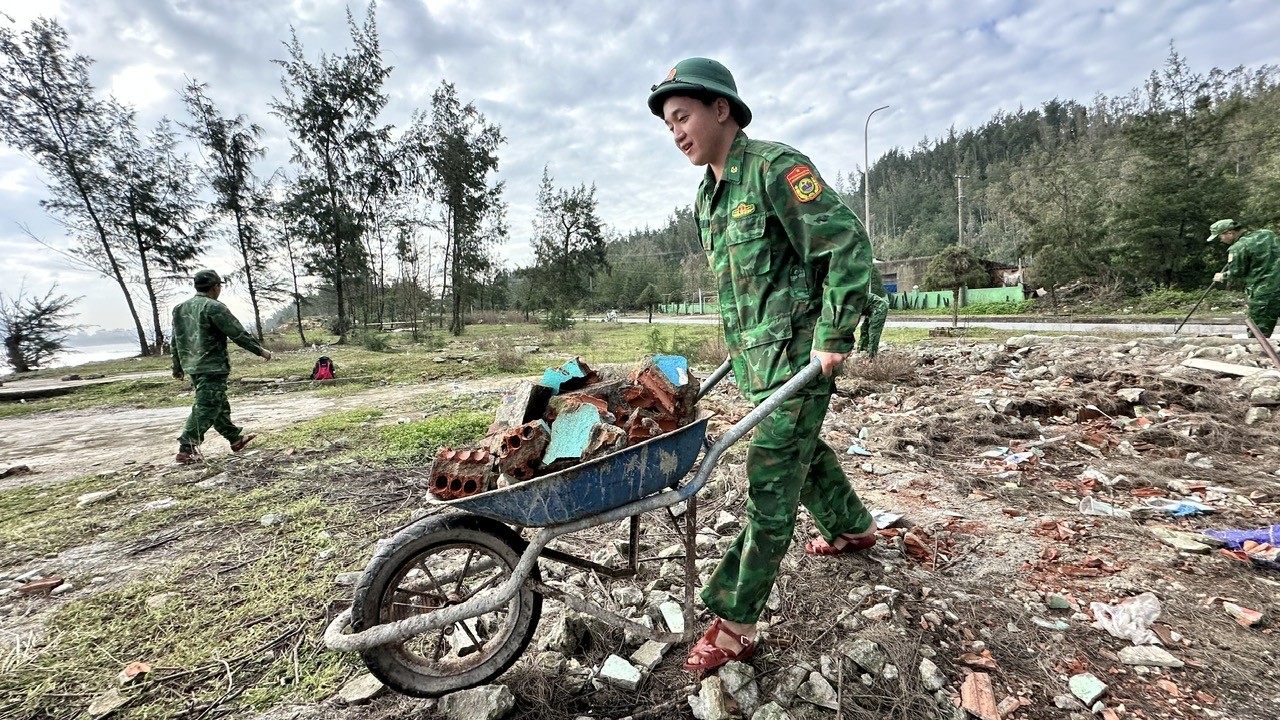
<point>1091,506</point>
<point>1130,619</point>
<point>1176,508</point>
<point>1261,545</point>
<point>859,450</point>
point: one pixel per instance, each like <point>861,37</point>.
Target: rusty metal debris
<point>572,416</point>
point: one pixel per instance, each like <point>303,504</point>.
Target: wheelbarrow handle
<point>714,378</point>
<point>746,424</point>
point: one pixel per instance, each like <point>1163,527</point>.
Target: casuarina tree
<point>34,329</point>
<point>954,268</point>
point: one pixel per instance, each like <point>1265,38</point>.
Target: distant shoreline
<point>81,354</point>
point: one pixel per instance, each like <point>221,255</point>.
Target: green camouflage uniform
<point>793,265</point>
<point>876,312</point>
<point>201,328</point>
<point>1254,260</point>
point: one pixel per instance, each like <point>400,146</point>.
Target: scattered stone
<point>1184,542</point>
<point>347,579</point>
<point>818,691</point>
<point>878,612</point>
<point>673,616</point>
<point>1255,415</point>
<point>1242,615</point>
<point>739,681</point>
<point>978,697</point>
<point>1051,624</point>
<point>710,702</point>
<point>212,482</point>
<point>62,589</point>
<point>771,711</point>
<point>106,703</point>
<point>1008,705</point>
<point>158,505</point>
<point>650,654</point>
<point>1066,702</point>
<point>890,672</point>
<point>789,681</point>
<point>1149,656</point>
<point>1087,688</point>
<point>627,596</point>
<point>566,635</point>
<point>725,522</point>
<point>1199,460</point>
<point>1057,602</point>
<point>551,662</point>
<point>271,519</point>
<point>620,673</point>
<point>1130,395</point>
<point>361,689</point>
<point>931,676</point>
<point>97,497</point>
<point>487,702</point>
<point>868,655</point>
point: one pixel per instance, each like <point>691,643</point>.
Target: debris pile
<point>571,416</point>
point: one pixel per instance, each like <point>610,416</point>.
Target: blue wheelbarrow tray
<point>596,486</point>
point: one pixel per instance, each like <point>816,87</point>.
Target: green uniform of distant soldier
<point>873,317</point>
<point>201,328</point>
<point>793,265</point>
<point>1254,261</point>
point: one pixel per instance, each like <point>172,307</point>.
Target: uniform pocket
<point>749,251</point>
<point>765,363</point>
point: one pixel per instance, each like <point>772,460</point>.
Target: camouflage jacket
<point>201,328</point>
<point>1254,261</point>
<point>791,260</point>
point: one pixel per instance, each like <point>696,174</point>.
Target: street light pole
<point>866,172</point>
<point>960,210</point>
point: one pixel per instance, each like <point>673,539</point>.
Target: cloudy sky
<point>567,81</point>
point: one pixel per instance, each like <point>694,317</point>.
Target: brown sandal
<point>819,546</point>
<point>709,656</point>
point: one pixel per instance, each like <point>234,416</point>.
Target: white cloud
<point>567,81</point>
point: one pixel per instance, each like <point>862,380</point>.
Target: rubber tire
<point>385,662</point>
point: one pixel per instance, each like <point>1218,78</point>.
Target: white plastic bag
<point>1130,619</point>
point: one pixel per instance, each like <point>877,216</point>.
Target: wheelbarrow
<point>451,601</point>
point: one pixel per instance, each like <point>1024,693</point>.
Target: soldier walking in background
<point>201,328</point>
<point>793,265</point>
<point>873,317</point>
<point>1253,258</point>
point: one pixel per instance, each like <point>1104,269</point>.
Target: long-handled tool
<point>1266,344</point>
<point>1197,305</point>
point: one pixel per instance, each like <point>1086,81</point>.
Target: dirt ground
<point>994,573</point>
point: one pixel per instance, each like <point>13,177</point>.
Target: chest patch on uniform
<point>743,209</point>
<point>803,184</point>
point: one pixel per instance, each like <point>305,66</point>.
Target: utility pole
<point>866,173</point>
<point>960,209</point>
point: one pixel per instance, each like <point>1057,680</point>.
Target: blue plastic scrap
<point>1235,540</point>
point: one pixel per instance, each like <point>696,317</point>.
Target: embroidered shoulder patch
<point>805,186</point>
<point>743,209</point>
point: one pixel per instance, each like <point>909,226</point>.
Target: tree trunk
<point>248,277</point>
<point>17,361</point>
<point>147,284</point>
<point>651,313</point>
<point>955,307</point>
<point>338,246</point>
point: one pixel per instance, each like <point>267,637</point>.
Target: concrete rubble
<point>573,415</point>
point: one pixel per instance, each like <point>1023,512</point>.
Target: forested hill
<point>1119,190</point>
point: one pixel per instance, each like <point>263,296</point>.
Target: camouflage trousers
<point>210,410</point>
<point>872,325</point>
<point>787,464</point>
<point>1263,311</point>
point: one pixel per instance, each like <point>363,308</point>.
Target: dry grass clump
<point>885,367</point>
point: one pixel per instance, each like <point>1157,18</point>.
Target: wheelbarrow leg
<point>690,562</point>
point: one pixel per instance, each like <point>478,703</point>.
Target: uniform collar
<point>732,163</point>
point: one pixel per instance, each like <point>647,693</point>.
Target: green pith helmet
<point>206,280</point>
<point>700,74</point>
<point>1222,226</point>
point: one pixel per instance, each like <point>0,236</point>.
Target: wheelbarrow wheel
<point>435,563</point>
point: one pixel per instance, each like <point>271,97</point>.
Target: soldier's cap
<point>207,279</point>
<point>1222,226</point>
<point>700,74</point>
